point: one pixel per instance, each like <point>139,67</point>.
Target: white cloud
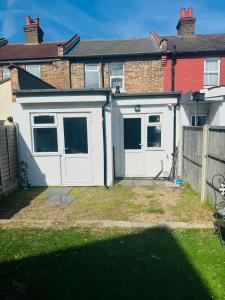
<point>8,27</point>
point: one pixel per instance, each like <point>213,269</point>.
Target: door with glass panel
<point>76,159</point>
<point>133,144</point>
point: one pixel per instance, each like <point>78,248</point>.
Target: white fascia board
<point>215,94</point>
<point>60,99</point>
<point>146,101</point>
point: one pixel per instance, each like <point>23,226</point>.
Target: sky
<point>61,19</point>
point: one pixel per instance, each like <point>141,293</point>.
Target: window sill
<point>206,87</point>
<point>43,154</point>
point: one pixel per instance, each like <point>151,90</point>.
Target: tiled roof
<point>24,51</point>
<point>114,47</point>
<point>197,43</point>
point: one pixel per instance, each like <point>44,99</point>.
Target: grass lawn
<point>111,264</point>
<point>150,204</point>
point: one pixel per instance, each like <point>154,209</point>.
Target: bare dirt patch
<point>150,204</point>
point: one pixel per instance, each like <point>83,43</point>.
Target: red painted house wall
<point>189,74</point>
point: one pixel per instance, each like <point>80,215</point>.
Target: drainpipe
<point>178,102</point>
<point>104,140</point>
<point>173,68</point>
<point>174,124</point>
<point>102,71</point>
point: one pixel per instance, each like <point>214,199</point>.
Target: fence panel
<point>193,141</point>
<point>9,173</point>
<point>192,156</point>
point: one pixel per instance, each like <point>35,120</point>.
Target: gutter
<point>104,140</point>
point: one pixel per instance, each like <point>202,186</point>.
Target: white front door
<point>76,159</point>
<point>133,146</point>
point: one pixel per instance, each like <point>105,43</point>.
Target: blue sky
<point>60,19</point>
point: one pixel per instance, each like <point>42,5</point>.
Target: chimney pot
<point>36,20</point>
<point>182,12</point>
<point>190,12</point>
<point>28,20</point>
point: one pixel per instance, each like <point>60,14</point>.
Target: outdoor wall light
<point>137,108</point>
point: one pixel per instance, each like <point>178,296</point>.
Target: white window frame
<point>149,124</point>
<point>39,69</point>
<point>85,68</point>
<point>121,76</point>
<point>211,72</point>
<point>8,72</point>
<point>46,125</point>
<point>199,115</point>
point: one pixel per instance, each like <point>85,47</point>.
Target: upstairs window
<point>116,71</point>
<point>91,76</point>
<point>211,72</point>
<point>5,72</point>
<point>34,70</point>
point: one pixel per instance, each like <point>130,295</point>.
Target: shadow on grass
<point>145,265</point>
<point>10,205</point>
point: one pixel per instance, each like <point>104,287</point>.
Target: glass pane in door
<point>132,133</point>
<point>75,135</point>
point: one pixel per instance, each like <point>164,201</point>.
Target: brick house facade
<point>148,63</point>
<point>143,70</point>
<point>193,61</point>
<point>139,75</point>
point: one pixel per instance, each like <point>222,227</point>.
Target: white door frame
<point>90,176</point>
<point>138,153</point>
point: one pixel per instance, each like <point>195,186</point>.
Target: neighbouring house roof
<point>5,80</point>
<point>26,51</point>
<point>197,43</point>
<point>27,81</point>
<point>114,47</point>
<point>3,42</point>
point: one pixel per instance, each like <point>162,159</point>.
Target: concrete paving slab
<point>60,200</point>
<point>59,191</point>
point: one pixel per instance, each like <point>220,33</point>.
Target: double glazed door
<point>76,158</point>
<point>133,145</point>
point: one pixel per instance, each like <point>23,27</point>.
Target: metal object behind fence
<point>218,183</point>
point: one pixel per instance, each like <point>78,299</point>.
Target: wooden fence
<point>203,156</point>
<point>9,169</point>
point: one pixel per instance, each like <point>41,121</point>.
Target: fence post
<point>204,161</point>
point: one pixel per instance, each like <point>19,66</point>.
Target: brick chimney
<point>186,23</point>
<point>33,32</point>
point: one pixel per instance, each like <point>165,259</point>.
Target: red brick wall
<point>189,74</point>
<point>222,71</point>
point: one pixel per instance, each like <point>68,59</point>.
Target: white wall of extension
<point>146,160</point>
<point>65,165</point>
<point>56,168</point>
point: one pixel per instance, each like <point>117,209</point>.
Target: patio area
<point>154,203</point>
